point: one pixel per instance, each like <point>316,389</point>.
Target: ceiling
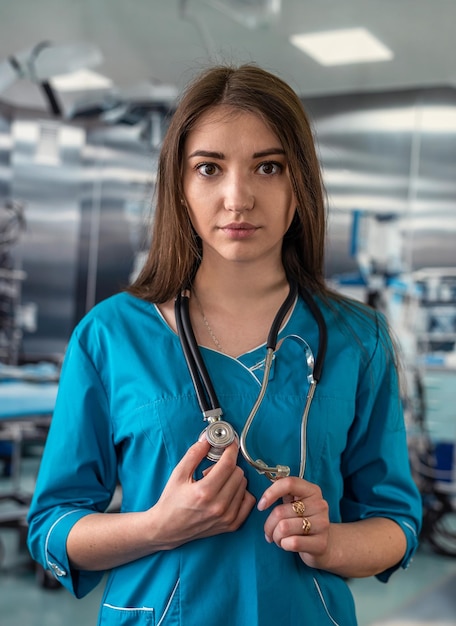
<point>167,41</point>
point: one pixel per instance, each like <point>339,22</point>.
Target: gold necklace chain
<point>206,323</point>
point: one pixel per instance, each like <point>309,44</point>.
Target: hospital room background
<point>86,90</point>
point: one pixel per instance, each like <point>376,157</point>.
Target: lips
<point>239,226</point>
<point>238,230</point>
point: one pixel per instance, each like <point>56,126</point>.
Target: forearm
<point>360,549</point>
<point>101,541</point>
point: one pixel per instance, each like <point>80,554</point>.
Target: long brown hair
<point>175,252</point>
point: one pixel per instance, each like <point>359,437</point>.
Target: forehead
<point>226,122</point>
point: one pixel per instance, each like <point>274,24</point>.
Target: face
<point>237,186</point>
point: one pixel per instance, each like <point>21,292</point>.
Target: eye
<point>269,168</point>
<point>207,169</point>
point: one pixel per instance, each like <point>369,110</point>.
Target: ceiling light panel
<point>342,47</point>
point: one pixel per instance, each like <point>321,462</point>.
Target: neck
<point>240,284</point>
<point>233,310</point>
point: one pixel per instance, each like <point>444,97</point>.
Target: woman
<point>239,221</point>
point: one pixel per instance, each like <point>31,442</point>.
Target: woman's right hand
<point>187,509</point>
<point>191,509</point>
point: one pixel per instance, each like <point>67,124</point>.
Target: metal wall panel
<point>115,201</point>
<point>5,153</point>
<point>85,190</point>
<point>390,154</point>
<point>46,169</point>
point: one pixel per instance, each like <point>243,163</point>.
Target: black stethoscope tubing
<point>322,333</point>
<point>205,392</point>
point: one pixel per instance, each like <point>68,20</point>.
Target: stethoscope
<point>220,433</point>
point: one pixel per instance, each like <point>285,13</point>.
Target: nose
<point>239,196</point>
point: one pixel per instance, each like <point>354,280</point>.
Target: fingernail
<point>268,539</point>
<point>261,504</point>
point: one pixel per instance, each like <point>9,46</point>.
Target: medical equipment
<point>220,433</point>
<point>27,398</point>
<point>432,431</point>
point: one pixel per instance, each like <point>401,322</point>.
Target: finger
<point>296,509</point>
<point>289,489</point>
<point>241,503</point>
<point>236,520</point>
<point>190,461</point>
<point>225,466</point>
<point>226,508</point>
<point>247,504</point>
<point>290,529</point>
<point>227,495</point>
<point>279,528</point>
<point>233,455</point>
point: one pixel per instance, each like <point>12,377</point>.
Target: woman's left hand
<point>300,523</point>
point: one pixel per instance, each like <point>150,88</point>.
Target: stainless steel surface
<point>391,154</point>
<point>85,192</point>
<point>46,170</point>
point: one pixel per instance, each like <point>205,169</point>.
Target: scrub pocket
<point>111,615</point>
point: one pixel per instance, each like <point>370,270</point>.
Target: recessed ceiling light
<point>81,80</point>
<point>341,47</point>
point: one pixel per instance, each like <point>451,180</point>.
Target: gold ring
<point>306,525</point>
<point>299,507</point>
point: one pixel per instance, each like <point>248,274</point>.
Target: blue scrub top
<point>126,413</point>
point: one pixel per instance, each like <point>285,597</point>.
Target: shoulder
<point>351,315</point>
<point>116,315</point>
<point>115,331</point>
<point>362,326</point>
<point>118,305</point>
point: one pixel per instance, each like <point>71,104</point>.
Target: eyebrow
<point>219,155</point>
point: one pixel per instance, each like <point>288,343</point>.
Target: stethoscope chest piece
<point>220,435</point>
